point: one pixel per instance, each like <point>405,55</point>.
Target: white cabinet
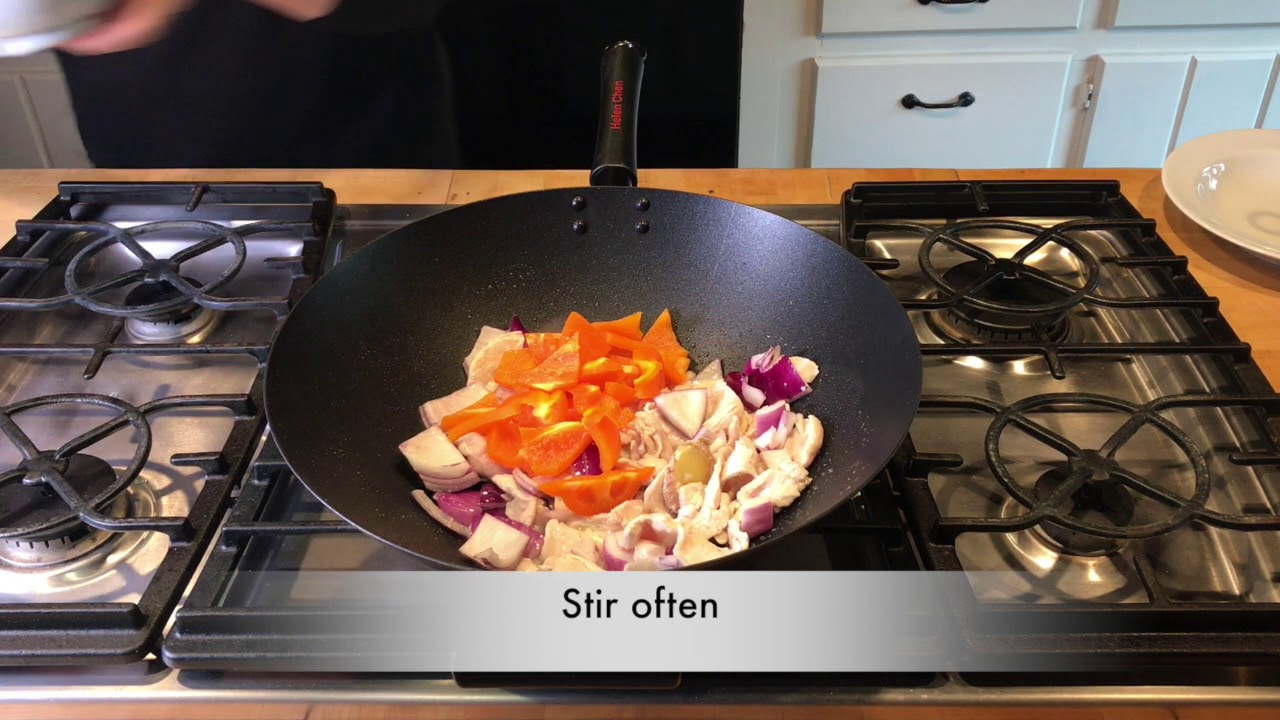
<point>37,126</point>
<point>1135,106</point>
<point>1181,13</point>
<point>1106,83</point>
<point>1146,105</point>
<point>1006,115</point>
<point>872,16</point>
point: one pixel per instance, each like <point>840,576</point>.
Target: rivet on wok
<point>580,226</point>
<point>642,204</point>
<point>642,227</point>
<point>578,202</point>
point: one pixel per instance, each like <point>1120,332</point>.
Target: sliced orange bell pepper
<point>554,449</point>
<point>513,366</point>
<point>622,342</point>
<point>542,345</point>
<point>504,443</point>
<point>593,494</point>
<point>607,406</point>
<point>575,322</point>
<point>602,370</point>
<point>663,336</point>
<point>628,326</point>
<point>538,407</point>
<point>585,397</point>
<point>675,367</point>
<point>651,382</point>
<point>472,420</point>
<point>608,439</point>
<point>621,392</point>
<point>560,369</point>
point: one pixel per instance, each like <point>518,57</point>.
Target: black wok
<point>387,329</point>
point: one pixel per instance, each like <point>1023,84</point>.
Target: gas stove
<point>1088,419</point>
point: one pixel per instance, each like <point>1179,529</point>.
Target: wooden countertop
<point>1248,289</point>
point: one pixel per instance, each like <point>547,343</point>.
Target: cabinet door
<point>873,16</point>
<point>860,119</point>
<point>1165,13</point>
<point>1135,108</point>
<point>1146,105</point>
<point>1224,92</point>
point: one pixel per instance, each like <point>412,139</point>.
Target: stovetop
<point>1088,419</point>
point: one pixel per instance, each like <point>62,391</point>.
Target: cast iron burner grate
<point>60,500</point>
<point>999,308</point>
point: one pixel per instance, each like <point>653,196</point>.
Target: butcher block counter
<point>1247,287</point>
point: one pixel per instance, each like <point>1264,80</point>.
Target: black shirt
<point>234,85</point>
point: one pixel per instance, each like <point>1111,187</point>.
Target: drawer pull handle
<point>950,2</point>
<point>964,99</point>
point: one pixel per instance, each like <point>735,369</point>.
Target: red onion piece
<point>491,497</point>
<point>615,558</point>
<point>464,507</point>
<point>440,516</point>
<point>588,463</point>
<point>534,548</point>
<point>757,518</point>
<point>669,562</point>
<point>516,325</point>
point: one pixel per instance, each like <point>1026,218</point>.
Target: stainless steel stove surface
<point>1087,418</point>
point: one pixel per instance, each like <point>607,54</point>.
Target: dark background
<point>527,76</point>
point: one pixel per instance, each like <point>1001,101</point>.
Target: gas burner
<point>53,494</point>
<point>1006,299</point>
<point>1087,506</point>
<point>73,543</point>
<point>1102,501</point>
<point>188,322</point>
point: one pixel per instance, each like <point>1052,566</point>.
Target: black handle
<point>964,99</point>
<point>621,70</point>
<point>950,2</point>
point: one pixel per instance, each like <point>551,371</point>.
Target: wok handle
<point>621,70</point>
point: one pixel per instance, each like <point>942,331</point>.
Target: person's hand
<point>300,10</point>
<point>132,24</point>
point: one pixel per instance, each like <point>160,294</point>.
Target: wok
<point>387,329</point>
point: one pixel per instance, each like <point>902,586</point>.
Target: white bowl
<point>1229,184</point>
<point>29,26</point>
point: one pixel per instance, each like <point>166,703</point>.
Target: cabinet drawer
<point>1162,13</point>
<point>860,119</point>
<point>877,16</point>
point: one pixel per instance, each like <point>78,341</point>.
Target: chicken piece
<point>557,511</point>
<point>805,440</point>
<point>433,411</point>
<point>741,466</point>
<point>485,355</point>
<point>724,410</point>
<point>656,528</point>
<point>506,482</point>
<point>561,539</point>
<point>694,548</point>
<point>474,447</point>
<point>710,374</point>
<point>650,435</point>
<point>654,500</point>
<point>572,563</point>
<point>774,458</point>
<point>524,510</point>
<point>648,557</point>
<point>625,512</point>
<point>527,565</point>
<point>807,369</point>
<point>779,485</point>
<point>690,500</point>
<point>737,539</point>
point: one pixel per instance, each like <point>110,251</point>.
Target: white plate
<point>1229,184</point>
